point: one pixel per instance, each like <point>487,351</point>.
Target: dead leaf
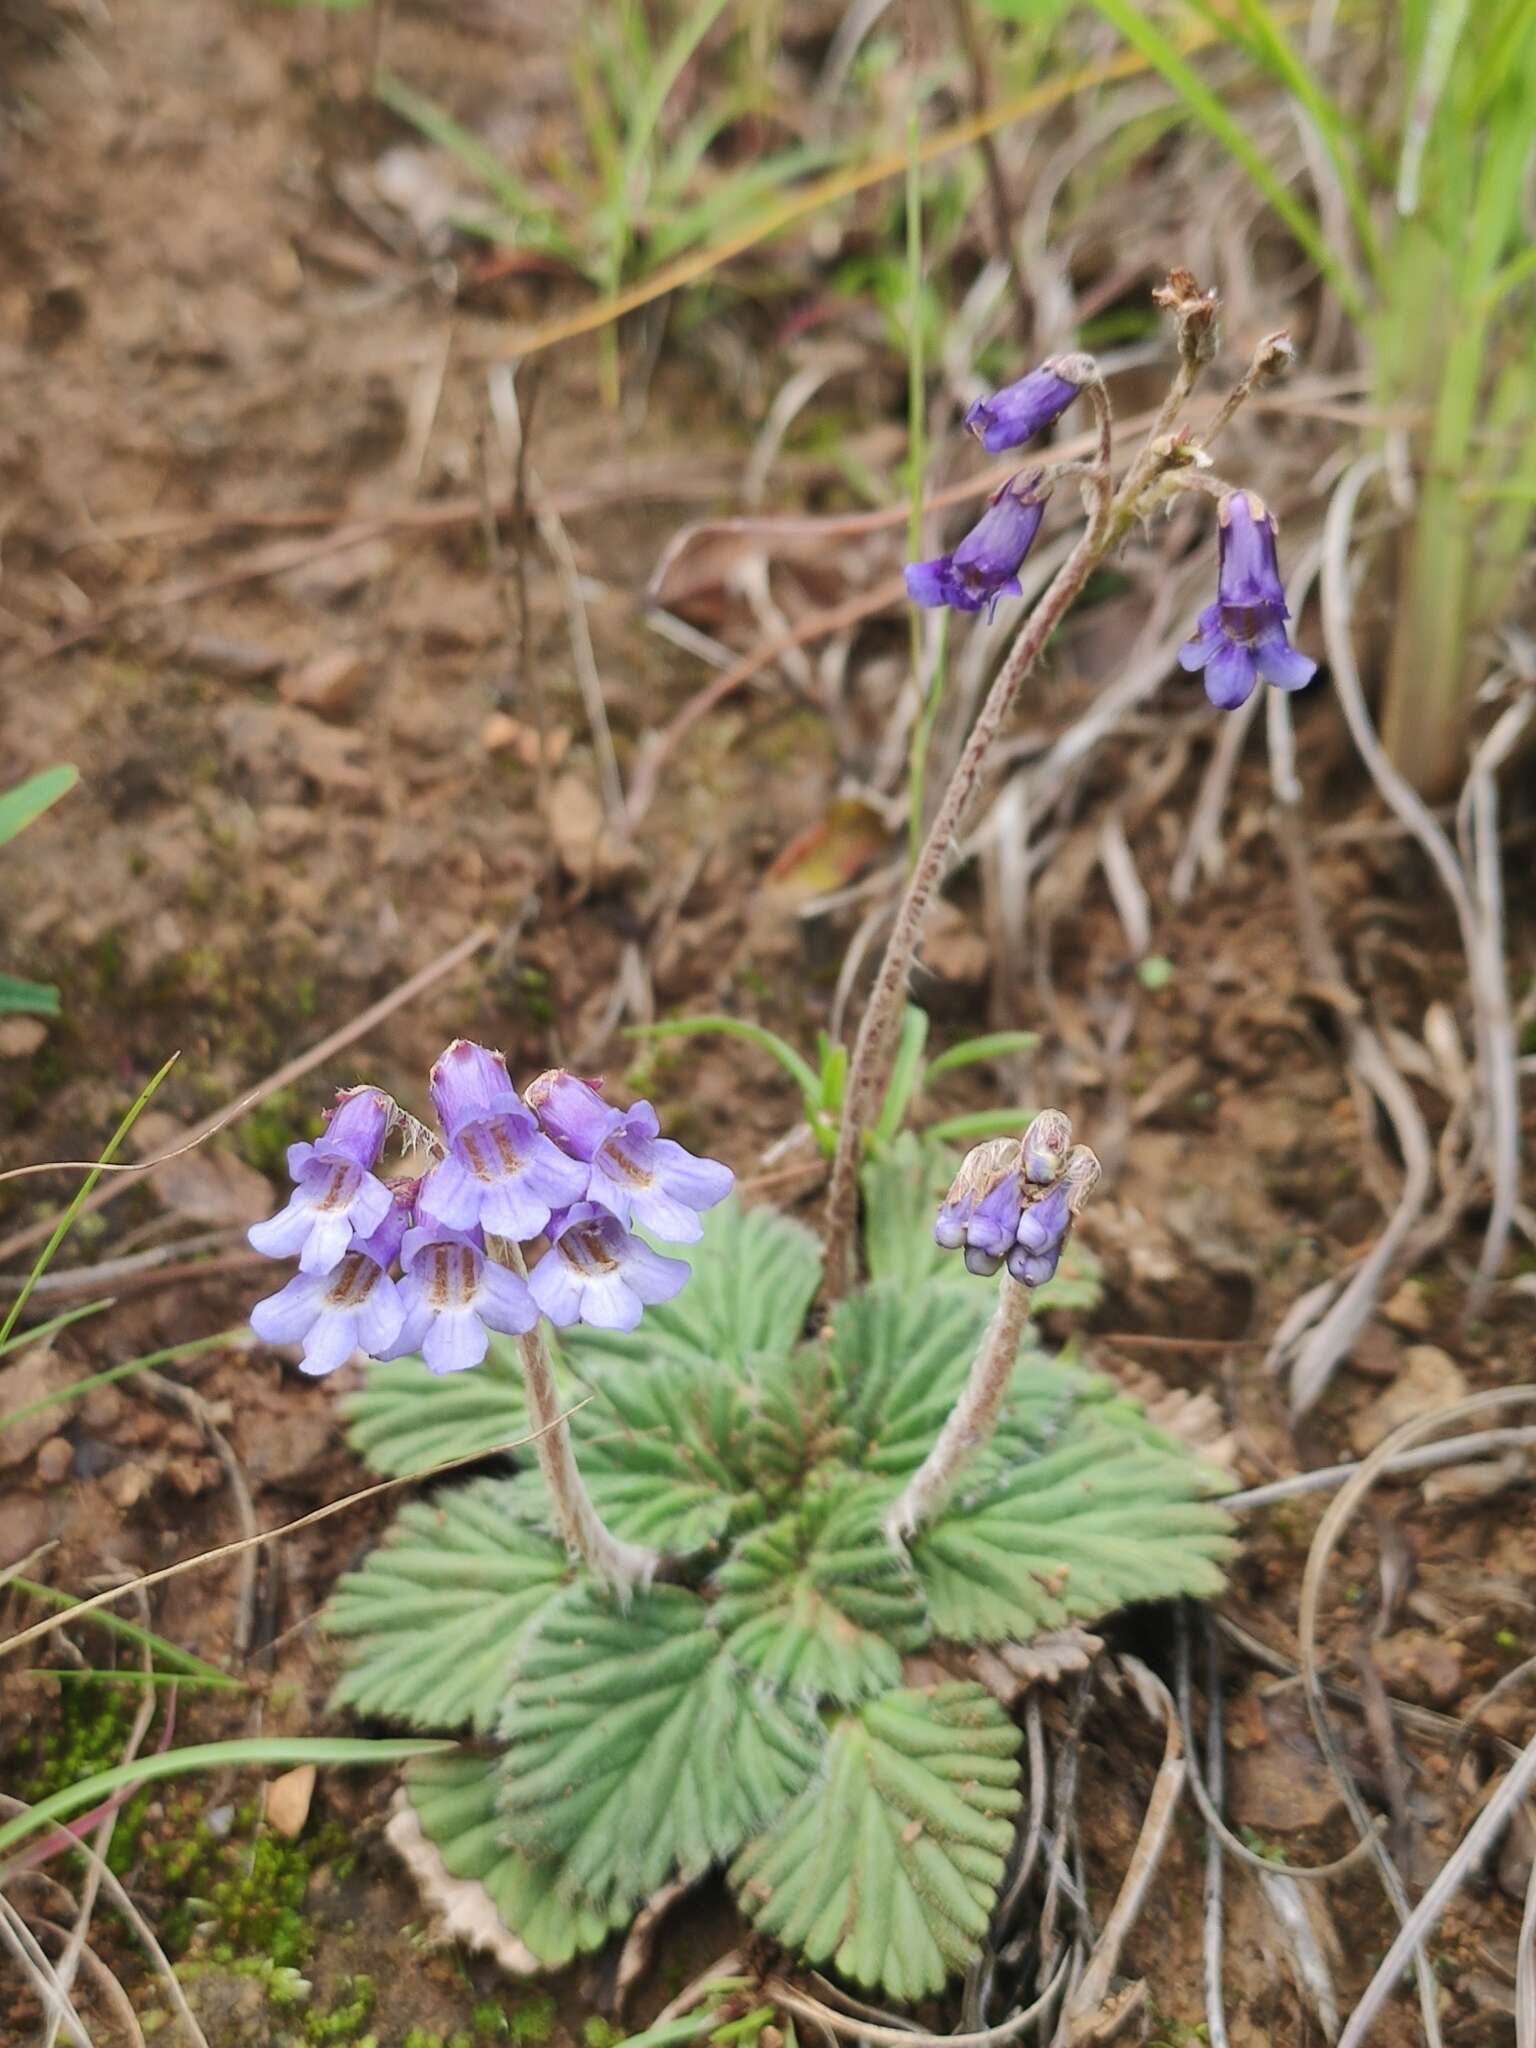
<point>331,684</point>
<point>829,854</point>
<point>462,1908</point>
<point>285,1803</point>
<point>504,734</point>
<point>584,845</point>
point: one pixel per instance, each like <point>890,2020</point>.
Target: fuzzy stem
<point>972,1419</point>
<point>882,1013</point>
<point>625,1566</point>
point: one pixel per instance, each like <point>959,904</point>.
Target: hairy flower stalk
<point>1013,1201</point>
<point>1008,418</point>
<point>624,1566</point>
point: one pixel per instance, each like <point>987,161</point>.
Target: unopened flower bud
<point>981,1210</point>
<point>1046,1143</point>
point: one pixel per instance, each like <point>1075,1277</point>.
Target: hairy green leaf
<point>664,1454</point>
<point>902,1191</point>
<point>455,1801</point>
<point>406,1419</point>
<point>820,1602</point>
<point>1102,1519</point>
<point>638,1750</point>
<point>754,1273</point>
<point>889,1863</point>
<point>904,1357</point>
<point>439,1609</point>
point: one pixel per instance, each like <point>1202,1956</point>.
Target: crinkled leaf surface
<point>1102,1519</point>
<point>819,1602</point>
<point>664,1454</point>
<point>405,1419</point>
<point>455,1801</point>
<point>754,1273</point>
<point>888,1865</point>
<point>638,1750</point>
<point>904,1356</point>
<point>438,1610</point>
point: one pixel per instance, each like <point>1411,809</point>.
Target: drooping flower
<point>1019,411</point>
<point>632,1171</point>
<point>500,1172</point>
<point>452,1294</point>
<point>336,1196</point>
<point>981,1210</point>
<point>1241,638</point>
<point>354,1307</point>
<point>985,566</point>
<point>596,1272</point>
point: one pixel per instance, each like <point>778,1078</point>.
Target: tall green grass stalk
<point>1439,281</point>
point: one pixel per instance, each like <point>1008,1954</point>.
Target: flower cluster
<point>985,566</point>
<point>1015,1200</point>
<point>430,1264</point>
<point>1241,639</point>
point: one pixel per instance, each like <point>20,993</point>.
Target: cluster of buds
<point>430,1263</point>
<point>1014,1201</point>
<point>1241,639</point>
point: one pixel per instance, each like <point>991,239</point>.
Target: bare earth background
<point>308,770</point>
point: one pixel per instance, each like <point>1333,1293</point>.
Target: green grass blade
<point>62,1228</point>
<point>41,1332</point>
<point>147,1363</point>
<point>19,998</point>
<point>29,799</point>
<point>210,1681</point>
<point>993,1045</point>
<point>211,1756</point>
<point>1149,42</point>
<point>978,1124</point>
<point>662,77</point>
<point>439,126</point>
<point>182,1662</point>
<point>906,1070</point>
<point>765,1040</point>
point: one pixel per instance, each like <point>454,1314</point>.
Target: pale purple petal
<point>469,1082</point>
<point>930,583</point>
<point>1208,641</point>
<point>287,1316</point>
<point>574,1115</point>
<point>701,1183</point>
<point>357,1127</point>
<point>450,1195</point>
<point>330,1235</point>
<point>330,1343</point>
<point>371,1206</point>
<point>455,1342</point>
<point>283,1234</point>
<point>609,1191</point>
<point>656,1211</point>
<point>299,1157</point>
<point>418,1320</point>
<point>653,1278</point>
<point>380,1317</point>
<point>555,1289</point>
<point>503,1301</point>
<point>1230,677</point>
<point>1280,664</point>
<point>609,1303</point>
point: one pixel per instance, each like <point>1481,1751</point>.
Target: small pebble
<point>54,1459</point>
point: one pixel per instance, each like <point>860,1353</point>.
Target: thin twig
<point>1453,1874</point>
<point>81,1608</point>
<point>1083,2008</point>
<point>1425,1459</point>
<point>849,2029</point>
<point>143,1932</point>
<point>20,1940</point>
